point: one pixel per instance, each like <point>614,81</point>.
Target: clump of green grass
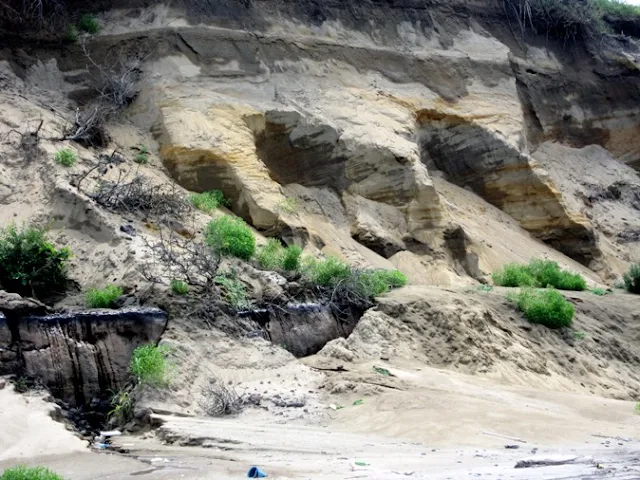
<point>71,34</point>
<point>547,307</point>
<point>209,201</point>
<point>142,157</point>
<point>514,275</point>
<point>231,236</point>
<point>149,365</point>
<point>598,291</point>
<point>273,256</point>
<point>22,472</point>
<point>179,287</point>
<point>65,157</point>
<point>539,273</point>
<point>485,288</point>
<point>617,8</point>
<point>233,290</point>
<point>580,335</point>
<point>632,279</point>
<point>89,24</point>
<point>269,256</point>
<point>327,272</point>
<point>103,298</point>
<point>291,258</point>
<point>373,283</point>
<point>30,264</point>
<point>637,409</point>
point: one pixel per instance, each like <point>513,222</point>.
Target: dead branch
<point>142,197</point>
<point>89,125</point>
<point>177,257</point>
<point>219,399</point>
<point>116,84</point>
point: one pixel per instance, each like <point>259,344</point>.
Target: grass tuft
<point>231,236</point>
<point>209,201</point>
<point>65,157</point>
<point>149,365</point>
<point>103,298</point>
<point>22,472</point>
<point>89,24</point>
<point>179,287</point>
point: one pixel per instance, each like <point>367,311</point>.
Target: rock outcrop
<point>79,355</point>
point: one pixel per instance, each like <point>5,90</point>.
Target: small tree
<point>29,264</point>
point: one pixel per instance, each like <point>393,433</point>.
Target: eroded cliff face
<point>78,356</point>
<point>348,110</point>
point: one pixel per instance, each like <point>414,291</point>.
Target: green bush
<point>65,157</point>
<point>29,264</point>
<point>233,290</point>
<point>539,273</point>
<point>149,365</point>
<point>29,473</point>
<point>271,255</point>
<point>141,158</point>
<point>89,23</point>
<point>373,283</point>
<point>547,307</point>
<point>548,273</point>
<point>599,291</point>
<point>291,258</point>
<point>327,272</point>
<point>209,201</point>
<point>105,298</point>
<point>179,287</point>
<point>231,236</point>
<point>71,34</point>
<point>632,279</point>
<point>514,275</point>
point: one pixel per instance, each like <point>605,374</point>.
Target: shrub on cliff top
<point>568,19</point>
<point>29,264</point>
<point>103,298</point>
<point>22,472</point>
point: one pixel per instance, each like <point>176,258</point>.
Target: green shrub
<point>327,272</point>
<point>231,236</point>
<point>149,365</point>
<point>105,298</point>
<point>546,307</point>
<point>71,34</point>
<point>632,279</point>
<point>29,473</point>
<point>29,264</point>
<point>271,255</point>
<point>539,273</point>
<point>579,335</point>
<point>65,157</point>
<point>373,283</point>
<point>89,23</point>
<point>291,258</point>
<point>514,275</point>
<point>548,273</point>
<point>209,201</point>
<point>179,287</point>
<point>233,290</point>
<point>617,8</point>
<point>141,158</point>
<point>122,406</point>
<point>599,291</point>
